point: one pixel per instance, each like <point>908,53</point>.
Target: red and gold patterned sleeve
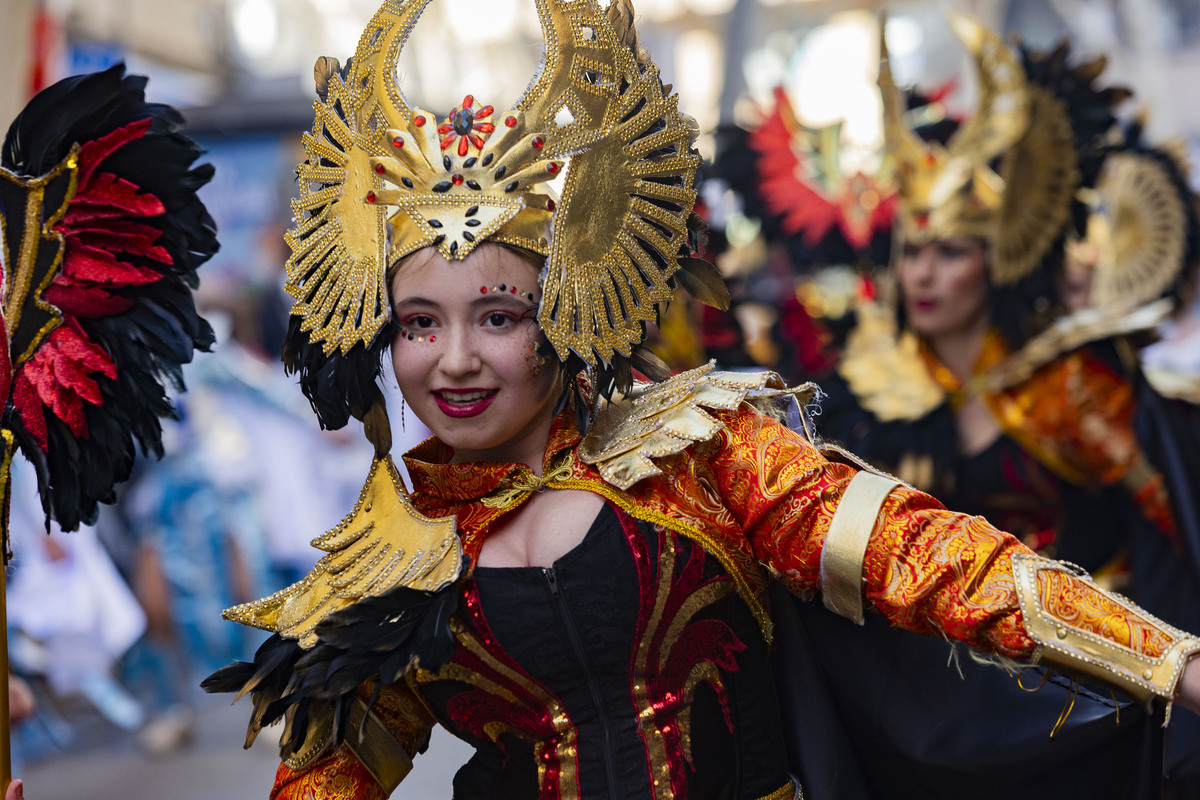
<point>338,776</point>
<point>397,728</point>
<point>924,568</point>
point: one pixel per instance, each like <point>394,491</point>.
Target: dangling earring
<point>402,404</point>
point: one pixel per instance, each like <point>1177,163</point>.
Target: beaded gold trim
<point>383,543</point>
<point>1064,645</point>
<point>658,420</point>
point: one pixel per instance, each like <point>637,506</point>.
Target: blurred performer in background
<point>102,232</point>
<point>980,385</point>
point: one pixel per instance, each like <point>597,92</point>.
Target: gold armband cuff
<point>846,543</point>
<point>379,751</point>
<point>1076,649</point>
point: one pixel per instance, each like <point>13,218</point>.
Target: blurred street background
<point>115,626</point>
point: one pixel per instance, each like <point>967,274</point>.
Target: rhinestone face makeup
<point>506,289</point>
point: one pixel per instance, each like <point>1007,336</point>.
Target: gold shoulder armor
<point>1067,622</point>
<point>382,544</point>
<point>661,419</point>
<point>884,370</point>
<point>1070,333</point>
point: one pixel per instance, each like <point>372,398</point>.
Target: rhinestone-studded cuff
<point>1098,634</point>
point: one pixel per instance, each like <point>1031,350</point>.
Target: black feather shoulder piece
<point>103,234</point>
<point>375,606</point>
<point>376,640</point>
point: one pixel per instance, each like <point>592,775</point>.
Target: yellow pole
<point>5,728</point>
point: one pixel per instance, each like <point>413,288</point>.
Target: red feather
<point>60,374</point>
<point>93,152</point>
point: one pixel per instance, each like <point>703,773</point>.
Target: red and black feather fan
<point>102,234</point>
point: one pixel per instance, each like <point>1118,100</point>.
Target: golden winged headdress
<point>1010,174</point>
<point>384,178</point>
<point>1140,241</point>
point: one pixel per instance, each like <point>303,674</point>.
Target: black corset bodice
<point>629,669</point>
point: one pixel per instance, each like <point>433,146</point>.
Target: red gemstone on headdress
<point>468,101</point>
<point>510,122</point>
<point>419,120</point>
<point>486,111</point>
<point>370,197</point>
<point>552,167</point>
<point>397,142</point>
<point>464,145</point>
<point>379,169</point>
<point>551,205</point>
<point>458,179</point>
<point>538,142</point>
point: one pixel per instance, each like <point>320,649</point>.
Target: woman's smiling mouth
<point>464,402</point>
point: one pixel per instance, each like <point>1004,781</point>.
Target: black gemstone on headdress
<point>500,172</point>
<point>470,162</point>
<point>438,241</point>
<point>488,159</point>
<point>464,121</point>
<point>407,182</point>
<point>470,237</point>
<point>453,248</point>
<point>447,163</point>
<point>473,185</point>
<point>433,223</point>
<point>511,187</point>
<point>472,211</point>
<point>444,186</point>
<point>473,223</point>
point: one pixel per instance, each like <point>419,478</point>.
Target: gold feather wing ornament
<point>383,178</point>
<point>382,544</point>
<point>662,419</point>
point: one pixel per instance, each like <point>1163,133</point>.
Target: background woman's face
<point>944,286</point>
<point>466,358</point>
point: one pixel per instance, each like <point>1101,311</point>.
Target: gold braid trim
<point>525,484</point>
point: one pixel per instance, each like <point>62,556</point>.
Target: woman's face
<point>945,287</point>
<point>465,358</point>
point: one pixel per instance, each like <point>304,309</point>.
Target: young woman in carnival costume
<point>578,583</point>
<point>979,384</point>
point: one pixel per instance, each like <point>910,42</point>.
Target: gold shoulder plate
<point>661,419</point>
<point>1070,333</point>
<point>884,369</point>
<point>382,544</point>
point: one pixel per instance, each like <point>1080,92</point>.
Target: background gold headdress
<point>1142,226</point>
<point>384,178</point>
<point>1008,175</point>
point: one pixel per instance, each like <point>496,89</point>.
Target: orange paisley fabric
<point>1082,606</point>
<point>339,776</point>
<point>1075,415</point>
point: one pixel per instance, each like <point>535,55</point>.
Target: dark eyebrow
<point>483,299</point>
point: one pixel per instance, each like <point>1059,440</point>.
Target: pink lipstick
<point>464,402</point>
